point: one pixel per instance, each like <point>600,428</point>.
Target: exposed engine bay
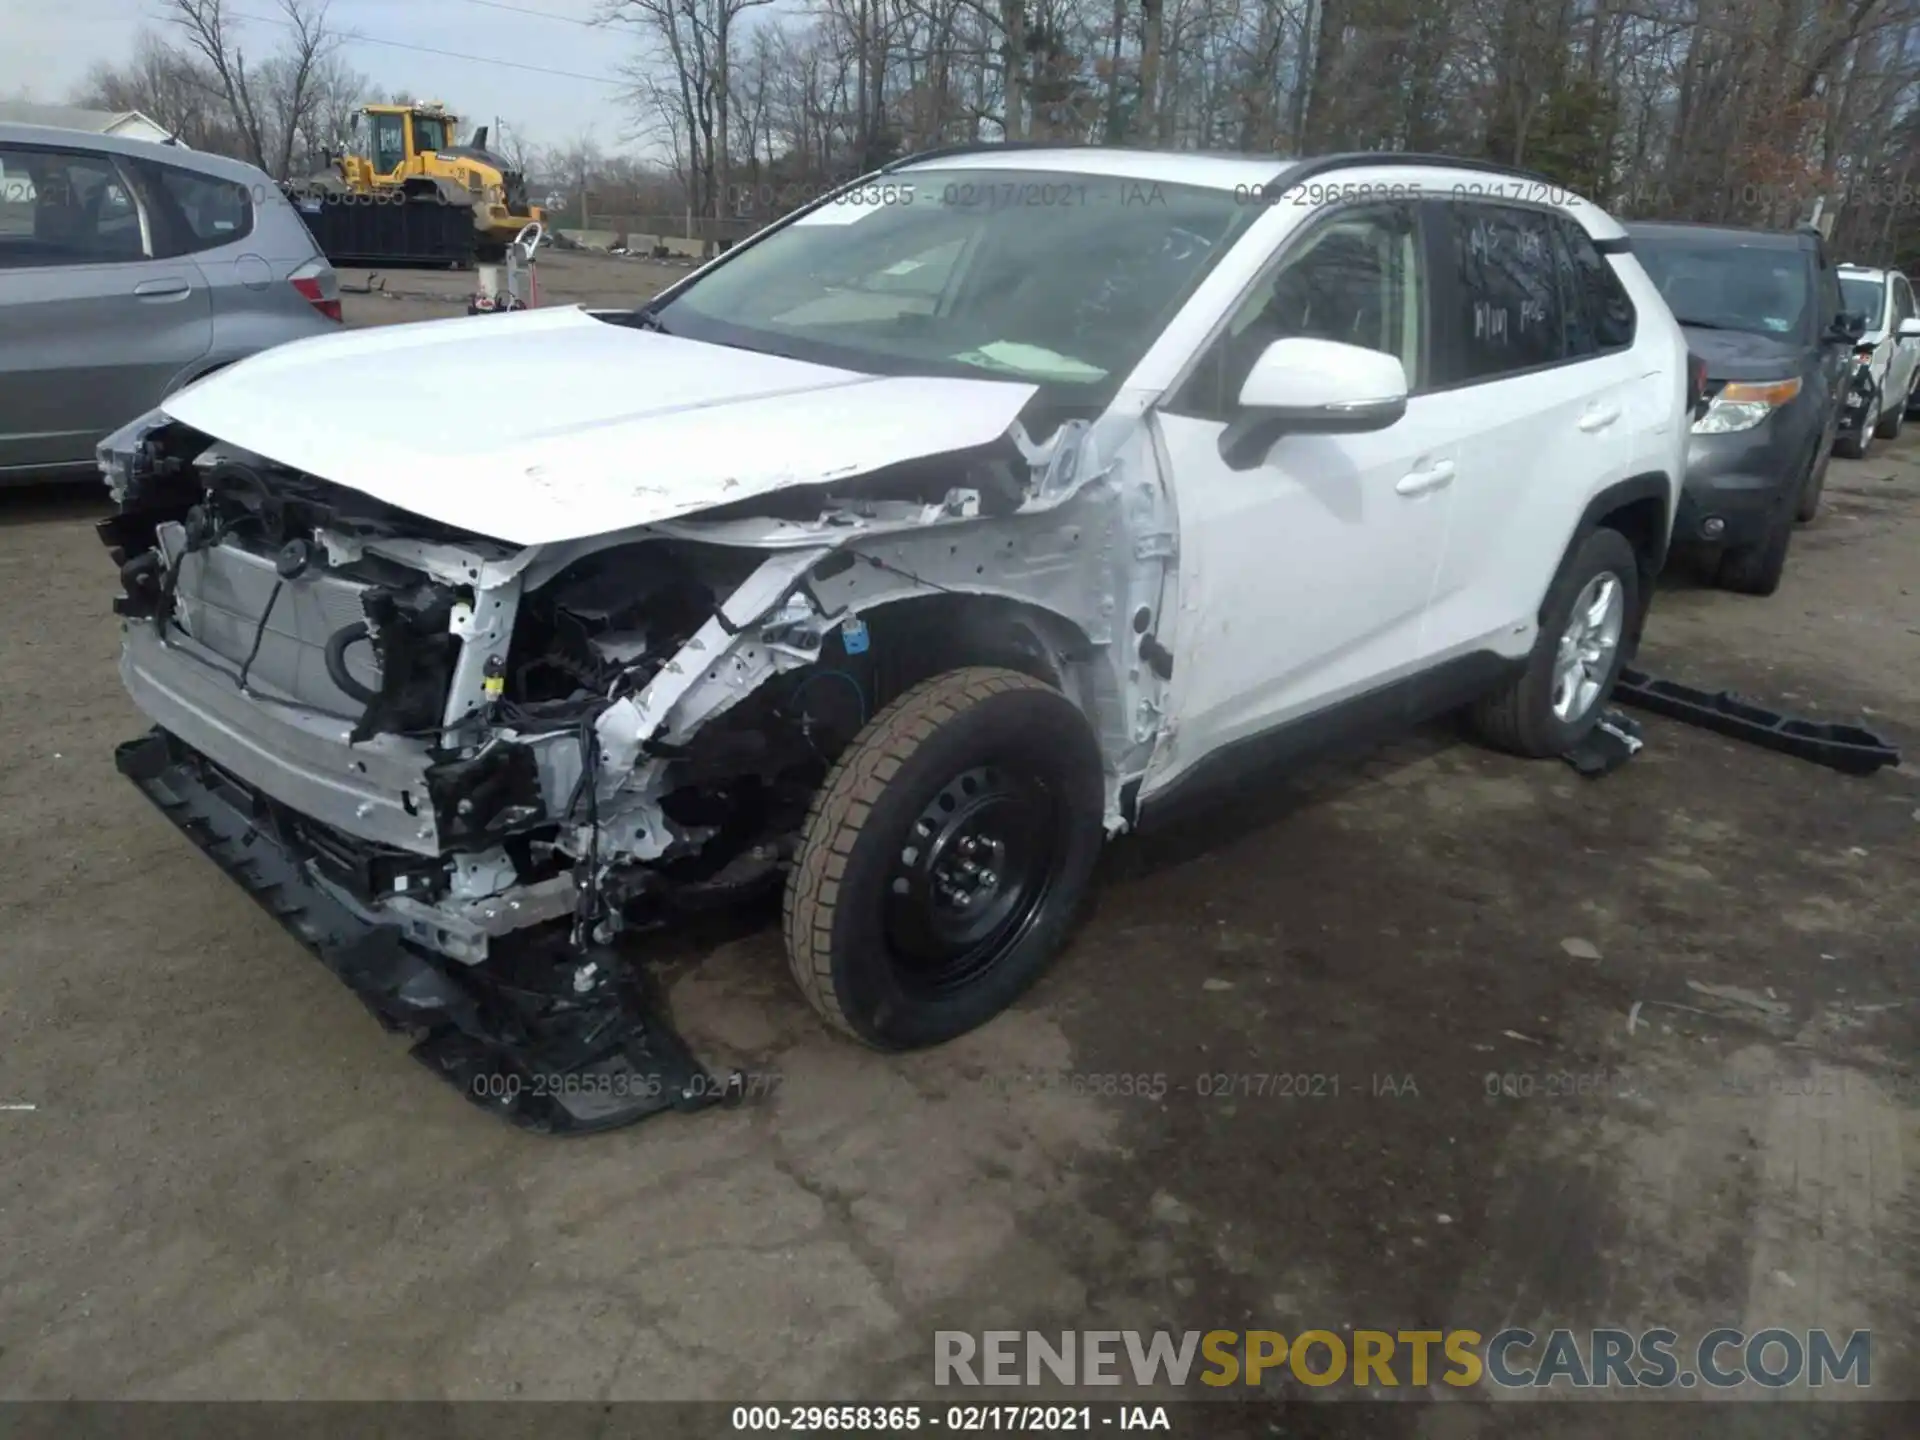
<point>461,770</point>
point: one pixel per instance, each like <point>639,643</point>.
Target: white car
<point>1889,351</point>
<point>901,555</point>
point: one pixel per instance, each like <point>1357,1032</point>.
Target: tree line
<point>1738,111</point>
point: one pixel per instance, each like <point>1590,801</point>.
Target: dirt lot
<point>234,1185</point>
<point>397,297</point>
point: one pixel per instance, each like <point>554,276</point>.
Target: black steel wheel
<point>976,867</point>
<point>945,858</point>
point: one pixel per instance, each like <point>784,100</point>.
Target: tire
<point>1756,569</point>
<point>1891,420</point>
<point>1814,485</point>
<point>1856,445</point>
<point>876,941</point>
<point>1520,718</point>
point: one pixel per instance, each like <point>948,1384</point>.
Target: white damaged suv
<point>901,555</point>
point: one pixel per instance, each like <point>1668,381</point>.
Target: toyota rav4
<point>990,507</point>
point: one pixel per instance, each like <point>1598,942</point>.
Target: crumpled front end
<point>458,769</point>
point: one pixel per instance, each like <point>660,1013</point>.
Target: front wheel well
<point>917,638</point>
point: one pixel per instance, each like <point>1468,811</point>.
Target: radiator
<point>221,595</point>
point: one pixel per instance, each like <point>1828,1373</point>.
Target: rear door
<point>249,244</point>
<point>209,221</point>
<point>1557,413</point>
<point>94,323</point>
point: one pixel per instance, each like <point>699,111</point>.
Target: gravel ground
<point>234,1185</point>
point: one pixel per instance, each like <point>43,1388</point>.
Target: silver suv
<point>127,270</point>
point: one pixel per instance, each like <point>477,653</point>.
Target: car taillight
<point>319,287</point>
<point>1863,352</point>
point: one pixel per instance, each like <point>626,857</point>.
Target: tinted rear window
<point>1599,312</point>
<point>1506,304</point>
<point>206,211</point>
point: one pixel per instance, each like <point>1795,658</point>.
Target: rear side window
<point>204,211</point>
<point>1599,313</point>
<point>61,207</point>
<point>1503,310</point>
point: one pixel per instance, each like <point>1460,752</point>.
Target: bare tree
<point>271,102</point>
<point>1734,110</point>
<point>510,142</point>
<point>166,85</point>
<point>696,40</point>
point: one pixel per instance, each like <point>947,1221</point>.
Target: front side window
<point>1862,296</point>
<point>65,208</point>
<point>429,133</point>
<point>1723,285</point>
<point>1504,314</point>
<point>1354,277</point>
<point>1059,279</point>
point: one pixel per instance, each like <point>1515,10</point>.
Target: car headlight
<point>1743,406</point>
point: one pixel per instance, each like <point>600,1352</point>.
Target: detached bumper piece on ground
<point>1850,749</point>
<point>550,1041</point>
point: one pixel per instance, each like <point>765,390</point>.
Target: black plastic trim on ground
<point>1850,749</point>
<point>524,1047</point>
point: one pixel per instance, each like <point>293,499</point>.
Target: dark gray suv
<point>1762,310</point>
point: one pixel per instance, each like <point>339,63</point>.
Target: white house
<point>129,123</point>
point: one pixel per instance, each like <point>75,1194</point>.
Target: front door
<point>389,144</point>
<point>1305,579</point>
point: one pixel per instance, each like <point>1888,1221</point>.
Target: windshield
<point>1861,296</point>
<point>1762,288</point>
<point>1056,278</point>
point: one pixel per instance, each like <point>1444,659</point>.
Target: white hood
<point>551,425</point>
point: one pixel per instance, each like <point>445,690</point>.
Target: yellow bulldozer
<point>403,192</point>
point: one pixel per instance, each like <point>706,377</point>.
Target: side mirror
<point>1910,328</point>
<point>1320,387</point>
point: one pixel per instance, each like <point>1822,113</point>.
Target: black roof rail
<point>978,147</point>
<point>1320,164</point>
<point>1295,171</point>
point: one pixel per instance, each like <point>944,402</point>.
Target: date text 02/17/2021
<point>958,1419</point>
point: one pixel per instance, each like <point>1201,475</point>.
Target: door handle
<point>1426,477</point>
<point>1599,417</point>
<point>172,289</point>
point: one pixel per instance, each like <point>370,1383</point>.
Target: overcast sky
<point>47,46</point>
